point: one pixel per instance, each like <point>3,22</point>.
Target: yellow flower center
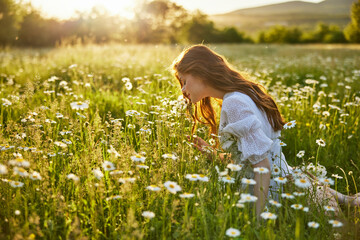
<point>171,186</point>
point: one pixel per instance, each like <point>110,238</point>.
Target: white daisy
<point>298,194</point>
<point>287,195</point>
<point>300,154</point>
<point>169,155</point>
<point>21,171</point>
<point>16,184</point>
<point>282,144</point>
<point>138,158</point>
<point>187,195</point>
<point>3,169</point>
<point>280,179</point>
<point>148,214</point>
<point>335,223</point>
<point>268,215</point>
<point>232,232</point>
<point>20,162</point>
<point>329,208</point>
<point>98,173</point>
<point>192,177</point>
<point>142,166</point>
<point>261,170</point>
<point>126,179</point>
<point>290,124</point>
<point>274,203</point>
<point>116,172</point>
<point>203,178</point>
<point>173,187</point>
<point>108,166</point>
<point>302,183</point>
<point>248,181</point>
<point>73,177</point>
<point>275,171</point>
<point>153,188</point>
<point>313,224</point>
<point>245,197</point>
<point>35,176</point>
<point>320,142</point>
<point>228,179</point>
<point>79,105</point>
<point>234,167</point>
<point>113,197</point>
<point>296,206</point>
<point>326,181</point>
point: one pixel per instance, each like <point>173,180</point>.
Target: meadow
<point>93,145</point>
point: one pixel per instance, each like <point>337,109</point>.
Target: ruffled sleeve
<point>245,126</point>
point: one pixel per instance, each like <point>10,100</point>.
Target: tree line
<point>155,21</point>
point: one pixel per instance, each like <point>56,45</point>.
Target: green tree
<point>10,17</point>
<point>352,30</point>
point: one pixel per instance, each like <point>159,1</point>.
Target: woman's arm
<point>261,187</point>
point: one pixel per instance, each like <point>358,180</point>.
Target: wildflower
<point>261,170</point>
<point>60,144</point>
<point>240,205</point>
<point>326,181</point>
<point>116,172</point>
<point>3,169</point>
<point>274,203</point>
<point>127,179</point>
<point>223,173</point>
<point>282,144</point>
<point>138,158</point>
<point>287,195</point>
<point>297,206</point>
<point>329,208</point>
<point>128,86</point>
<point>192,177</point>
<point>335,223</point>
<point>203,178</point>
<point>73,177</point>
<point>113,151</point>
<point>187,195</point>
<point>20,162</point>
<point>17,212</point>
<point>35,176</point>
<point>79,105</point>
<point>275,170</point>
<point>320,142</point>
<point>142,166</point>
<point>302,183</point>
<point>245,197</point>
<point>108,166</point>
<point>113,197</point>
<point>298,194</point>
<point>234,167</point>
<point>336,176</point>
<point>313,224</point>
<point>248,181</point>
<point>268,215</point>
<point>290,124</point>
<point>148,214</point>
<point>305,209</point>
<point>169,155</point>
<point>280,179</point>
<point>232,232</point>
<point>212,142</point>
<point>153,188</point>
<point>173,187</point>
<point>228,179</point>
<point>16,184</point>
<point>97,173</point>
<point>67,141</point>
<point>300,154</point>
<point>21,171</point>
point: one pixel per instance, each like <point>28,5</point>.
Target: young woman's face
<point>194,88</point>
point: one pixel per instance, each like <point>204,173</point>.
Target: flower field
<point>93,145</point>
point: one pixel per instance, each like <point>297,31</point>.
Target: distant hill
<point>295,13</point>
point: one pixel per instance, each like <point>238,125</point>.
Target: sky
<point>64,9</point>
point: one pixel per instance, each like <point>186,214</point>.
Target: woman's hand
<point>199,143</point>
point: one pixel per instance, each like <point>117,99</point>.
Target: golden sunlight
<point>67,8</point>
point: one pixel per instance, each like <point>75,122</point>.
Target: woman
<point>250,122</point>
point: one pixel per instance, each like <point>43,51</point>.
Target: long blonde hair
<point>202,62</point>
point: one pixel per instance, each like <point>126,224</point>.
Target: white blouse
<point>246,132</point>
